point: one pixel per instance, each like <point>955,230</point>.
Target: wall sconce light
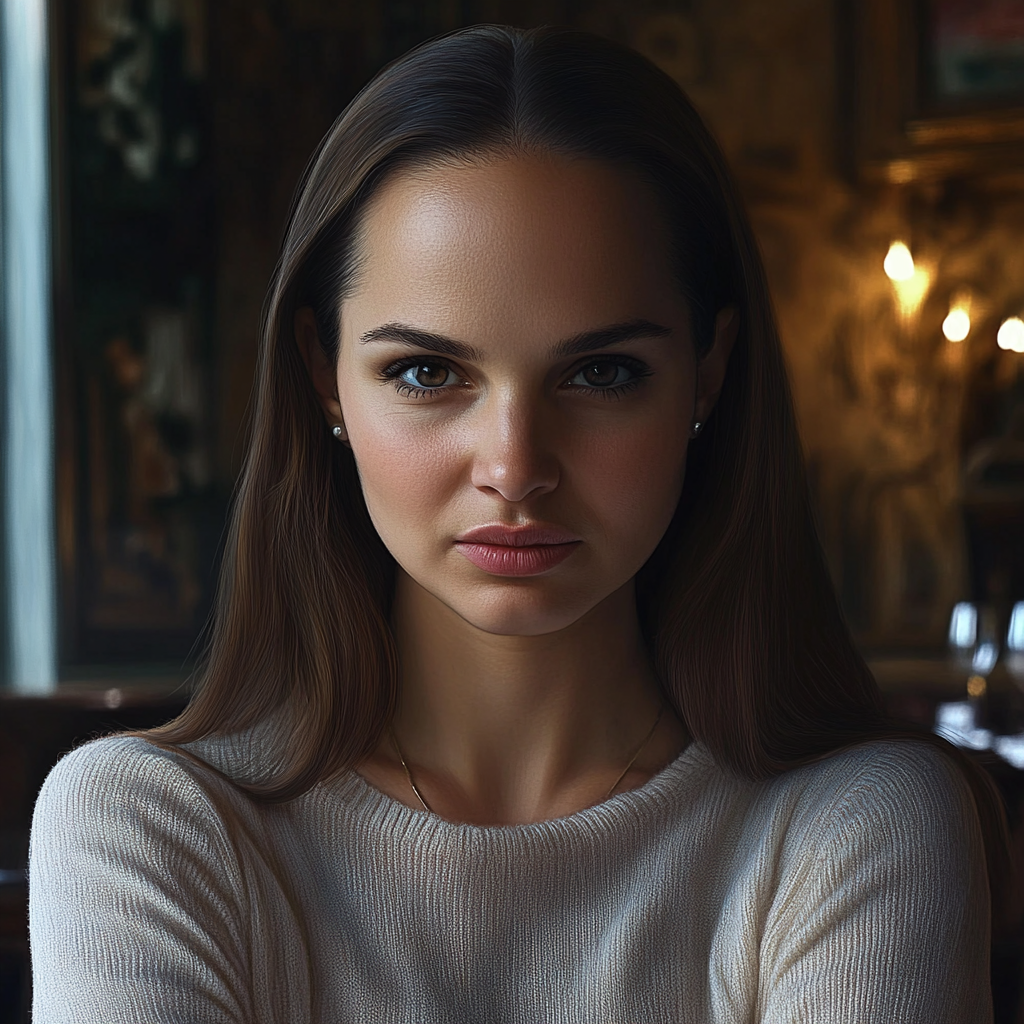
<point>1010,337</point>
<point>957,324</point>
<point>899,264</point>
<point>910,281</point>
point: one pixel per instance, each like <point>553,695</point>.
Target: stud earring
<point>696,428</point>
<point>338,431</point>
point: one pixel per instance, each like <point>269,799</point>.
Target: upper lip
<point>517,536</point>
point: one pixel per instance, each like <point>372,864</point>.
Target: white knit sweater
<point>850,891</point>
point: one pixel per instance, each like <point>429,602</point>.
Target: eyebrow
<point>578,344</point>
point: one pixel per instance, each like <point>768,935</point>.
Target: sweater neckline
<point>662,789</point>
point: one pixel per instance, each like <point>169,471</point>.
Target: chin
<point>515,611</point>
<point>505,606</point>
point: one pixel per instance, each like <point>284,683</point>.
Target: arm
<point>883,914</point>
<point>136,902</point>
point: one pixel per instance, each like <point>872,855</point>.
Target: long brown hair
<point>736,603</point>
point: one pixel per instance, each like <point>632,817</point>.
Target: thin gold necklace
<point>611,789</point>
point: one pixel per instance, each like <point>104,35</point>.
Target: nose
<point>514,454</point>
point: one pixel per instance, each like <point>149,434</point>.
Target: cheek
<point>407,473</point>
<point>632,479</point>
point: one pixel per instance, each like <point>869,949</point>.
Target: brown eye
<point>417,380</point>
<point>601,375</point>
<point>431,376</point>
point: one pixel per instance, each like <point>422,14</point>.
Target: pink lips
<point>516,551</point>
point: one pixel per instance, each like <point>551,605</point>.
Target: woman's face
<point>516,355</point>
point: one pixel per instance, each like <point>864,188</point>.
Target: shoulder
<point>116,765</point>
<point>896,798</point>
<point>880,885</point>
<point>134,873</point>
<point>883,777</point>
<point>122,810</point>
<point>124,785</point>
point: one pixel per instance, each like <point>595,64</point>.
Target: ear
<point>711,368</point>
<point>322,372</point>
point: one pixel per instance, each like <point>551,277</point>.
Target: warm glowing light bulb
<point>899,264</point>
<point>957,324</point>
<point>1011,335</point>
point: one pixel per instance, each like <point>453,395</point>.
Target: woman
<point>501,719</point>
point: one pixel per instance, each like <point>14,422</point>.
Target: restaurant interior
<point>879,147</point>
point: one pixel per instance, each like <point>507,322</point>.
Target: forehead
<point>539,241</point>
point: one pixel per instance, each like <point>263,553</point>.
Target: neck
<point>520,728</point>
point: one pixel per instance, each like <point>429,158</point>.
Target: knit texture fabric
<point>853,891</point>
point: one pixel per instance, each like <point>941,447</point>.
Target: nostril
<point>515,481</point>
<point>514,454</point>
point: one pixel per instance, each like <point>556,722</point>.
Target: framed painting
<point>140,512</point>
<point>936,87</point>
<point>973,52</point>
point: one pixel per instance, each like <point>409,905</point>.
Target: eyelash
<point>390,375</point>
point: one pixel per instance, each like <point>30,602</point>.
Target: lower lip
<point>500,560</point>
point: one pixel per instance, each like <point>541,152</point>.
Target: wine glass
<point>974,646</point>
<point>1015,644</point>
<point>963,634</point>
<point>974,642</point>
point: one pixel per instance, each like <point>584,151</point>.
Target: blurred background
<point>879,145</point>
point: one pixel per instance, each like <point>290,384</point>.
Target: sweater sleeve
<point>884,915</point>
<point>135,895</point>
